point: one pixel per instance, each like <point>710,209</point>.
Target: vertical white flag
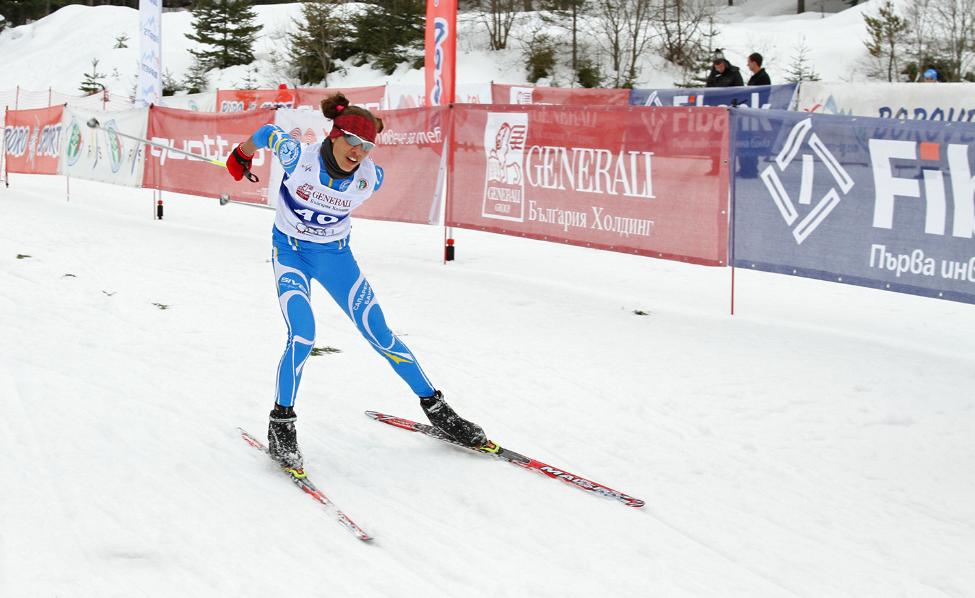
<point>149,89</point>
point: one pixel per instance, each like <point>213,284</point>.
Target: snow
<point>57,50</point>
<point>817,443</point>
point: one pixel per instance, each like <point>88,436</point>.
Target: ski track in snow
<point>816,444</point>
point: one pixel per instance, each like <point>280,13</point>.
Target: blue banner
<point>774,97</point>
<point>865,201</point>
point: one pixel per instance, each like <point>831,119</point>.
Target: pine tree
<point>92,81</point>
<point>801,69</point>
<point>390,32</point>
<point>228,28</point>
<point>312,50</point>
<point>196,78</point>
<point>568,14</point>
<point>886,34</point>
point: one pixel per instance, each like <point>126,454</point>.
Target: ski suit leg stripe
<point>294,299</point>
<point>360,305</point>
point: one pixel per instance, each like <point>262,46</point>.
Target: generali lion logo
<point>303,191</point>
<point>815,213</point>
<point>505,138</point>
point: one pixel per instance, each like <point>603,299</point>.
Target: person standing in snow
<point>759,76</point>
<point>323,183</point>
<point>723,73</point>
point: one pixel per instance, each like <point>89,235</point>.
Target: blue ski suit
<point>310,241</point>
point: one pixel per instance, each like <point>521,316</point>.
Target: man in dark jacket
<point>759,76</point>
<point>723,73</point>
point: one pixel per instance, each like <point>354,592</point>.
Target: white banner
<point>407,95</point>
<point>102,154</point>
<point>917,101</point>
<point>308,126</point>
<point>149,89</point>
<point>198,102</point>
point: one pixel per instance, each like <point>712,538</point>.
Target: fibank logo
<point>754,100</point>
<point>505,137</point>
<point>805,213</point>
<point>441,30</point>
<point>925,181</point>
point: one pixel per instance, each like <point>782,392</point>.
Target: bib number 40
<point>316,217</point>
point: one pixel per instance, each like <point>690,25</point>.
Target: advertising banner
<point>408,150</point>
<point>650,181</point>
<point>198,102</point>
<point>953,102</point>
<point>209,135</point>
<point>370,98</point>
<point>774,97</point>
<point>502,93</point>
<point>238,100</point>
<point>149,88</point>
<point>862,201</point>
<point>407,95</point>
<point>102,154</point>
<point>440,52</point>
<point>32,140</point>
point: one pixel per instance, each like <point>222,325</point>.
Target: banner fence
<point>649,181</point>
<point>858,200</point>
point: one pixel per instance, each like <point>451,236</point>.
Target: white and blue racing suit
<point>311,242</point>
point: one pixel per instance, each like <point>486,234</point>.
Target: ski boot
<point>447,421</point>
<point>282,438</point>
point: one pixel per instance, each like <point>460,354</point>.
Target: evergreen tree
<point>313,46</point>
<point>568,14</point>
<point>228,28</point>
<point>801,69</point>
<point>390,32</point>
<point>92,81</point>
<point>196,78</point>
<point>886,34</point>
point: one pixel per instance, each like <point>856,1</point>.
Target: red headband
<point>356,124</point>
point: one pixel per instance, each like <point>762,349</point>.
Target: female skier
<point>323,183</point>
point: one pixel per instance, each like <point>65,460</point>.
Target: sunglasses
<point>354,140</point>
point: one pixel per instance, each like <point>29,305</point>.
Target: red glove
<point>239,164</point>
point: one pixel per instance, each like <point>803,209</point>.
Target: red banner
<point>650,181</point>
<point>238,100</point>
<point>525,94</point>
<point>32,140</point>
<point>408,150</point>
<point>209,135</point>
<point>440,43</point>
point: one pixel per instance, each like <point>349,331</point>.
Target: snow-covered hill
<point>818,443</point>
<point>57,50</point>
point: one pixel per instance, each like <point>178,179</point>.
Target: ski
<point>300,479</point>
<point>512,457</point>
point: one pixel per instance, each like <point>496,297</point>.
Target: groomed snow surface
<point>818,443</point>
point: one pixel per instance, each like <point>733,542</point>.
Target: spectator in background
<point>723,73</point>
<point>930,76</point>
<point>759,76</point>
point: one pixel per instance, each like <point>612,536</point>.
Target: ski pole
<point>94,124</point>
<point>225,199</point>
